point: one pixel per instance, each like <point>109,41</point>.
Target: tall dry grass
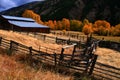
<point>106,56</point>
<point>27,40</point>
<point>109,57</point>
<point>12,69</point>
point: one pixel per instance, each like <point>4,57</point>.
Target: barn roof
<point>27,24</point>
<point>17,18</point>
<point>23,22</point>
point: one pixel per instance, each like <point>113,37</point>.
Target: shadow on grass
<point>48,65</point>
<point>65,71</point>
<point>101,71</point>
<point>106,72</point>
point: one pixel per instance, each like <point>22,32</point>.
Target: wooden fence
<point>110,44</point>
<point>79,62</point>
<point>70,34</point>
<point>56,40</point>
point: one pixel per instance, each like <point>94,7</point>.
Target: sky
<point>6,4</point>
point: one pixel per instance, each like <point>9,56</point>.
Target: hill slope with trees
<point>72,9</point>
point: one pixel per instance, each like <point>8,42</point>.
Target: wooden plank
<point>93,64</point>
<point>68,46</point>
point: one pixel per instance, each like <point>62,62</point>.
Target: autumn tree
<point>115,31</point>
<point>66,24</point>
<point>112,31</point>
<point>55,24</point>
<point>76,25</point>
<point>59,25</point>
<point>87,29</point>
<point>31,14</point>
<point>51,24</point>
<point>101,27</point>
<point>118,29</point>
<point>45,23</point>
<point>85,21</point>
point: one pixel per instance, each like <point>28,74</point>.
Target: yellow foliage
<point>116,30</point>
<point>85,21</point>
<point>76,25</point>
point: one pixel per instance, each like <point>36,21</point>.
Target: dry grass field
<point>12,70</point>
<point>108,38</point>
<point>28,41</point>
<point>109,57</point>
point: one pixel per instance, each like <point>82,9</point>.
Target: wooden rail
<point>57,40</point>
<point>80,62</point>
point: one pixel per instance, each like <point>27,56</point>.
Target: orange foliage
<point>101,27</point>
<point>87,29</point>
<point>116,30</point>
<point>55,24</point>
<point>51,24</point>
<point>66,24</point>
<point>59,25</point>
<point>31,14</point>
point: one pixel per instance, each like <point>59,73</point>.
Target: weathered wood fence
<point>80,62</point>
<point>110,44</point>
<point>57,40</point>
<point>70,34</point>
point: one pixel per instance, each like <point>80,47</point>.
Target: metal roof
<point>27,24</point>
<point>17,18</point>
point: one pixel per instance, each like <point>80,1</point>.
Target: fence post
<point>79,44</point>
<point>30,53</point>
<point>80,38</point>
<point>87,66</point>
<point>93,64</point>
<point>56,39</point>
<point>73,52</point>
<point>11,48</point>
<point>0,41</point>
<point>44,36</point>
<point>62,55</point>
<point>10,45</point>
<point>83,38</point>
<point>77,36</point>
<point>68,41</point>
<point>55,58</point>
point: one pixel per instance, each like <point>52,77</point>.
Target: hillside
<point>72,9</point>
<point>17,11</point>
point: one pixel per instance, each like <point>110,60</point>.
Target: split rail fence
<point>83,62</point>
<point>58,40</point>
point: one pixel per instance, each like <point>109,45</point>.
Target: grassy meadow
<point>12,68</point>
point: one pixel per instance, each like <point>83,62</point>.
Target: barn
<point>21,24</point>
